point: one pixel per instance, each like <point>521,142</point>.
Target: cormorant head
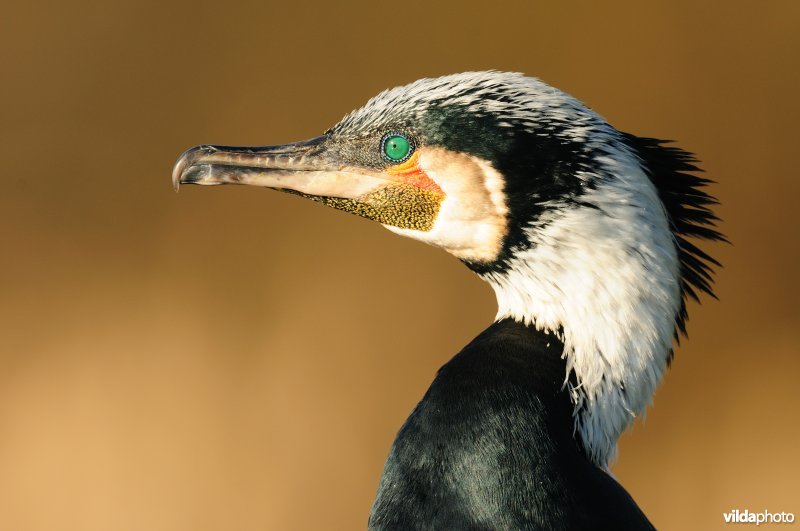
<point>462,162</point>
<point>578,227</point>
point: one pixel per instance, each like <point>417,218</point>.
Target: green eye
<point>396,147</point>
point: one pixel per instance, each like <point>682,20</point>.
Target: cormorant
<point>582,231</point>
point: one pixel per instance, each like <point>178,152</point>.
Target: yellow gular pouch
<point>400,205</point>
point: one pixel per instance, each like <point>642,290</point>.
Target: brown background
<point>238,359</point>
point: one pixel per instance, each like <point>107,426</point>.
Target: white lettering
<point>737,516</point>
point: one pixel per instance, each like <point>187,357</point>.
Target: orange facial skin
<point>409,172</point>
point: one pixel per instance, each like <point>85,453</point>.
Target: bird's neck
<point>605,279</point>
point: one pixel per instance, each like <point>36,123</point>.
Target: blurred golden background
<point>239,359</point>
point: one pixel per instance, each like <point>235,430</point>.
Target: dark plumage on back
<point>491,447</point>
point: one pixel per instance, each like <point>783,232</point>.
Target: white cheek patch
<point>473,217</point>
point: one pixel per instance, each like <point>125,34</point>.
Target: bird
<point>590,238</point>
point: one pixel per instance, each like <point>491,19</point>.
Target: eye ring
<point>396,147</point>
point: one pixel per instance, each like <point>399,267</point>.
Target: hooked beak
<point>306,167</point>
<point>401,196</point>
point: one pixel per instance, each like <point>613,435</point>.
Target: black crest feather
<point>673,171</point>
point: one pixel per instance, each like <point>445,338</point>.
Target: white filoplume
<point>606,280</point>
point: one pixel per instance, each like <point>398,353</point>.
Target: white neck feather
<point>606,280</point>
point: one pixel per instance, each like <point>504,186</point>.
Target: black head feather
<point>673,171</point>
